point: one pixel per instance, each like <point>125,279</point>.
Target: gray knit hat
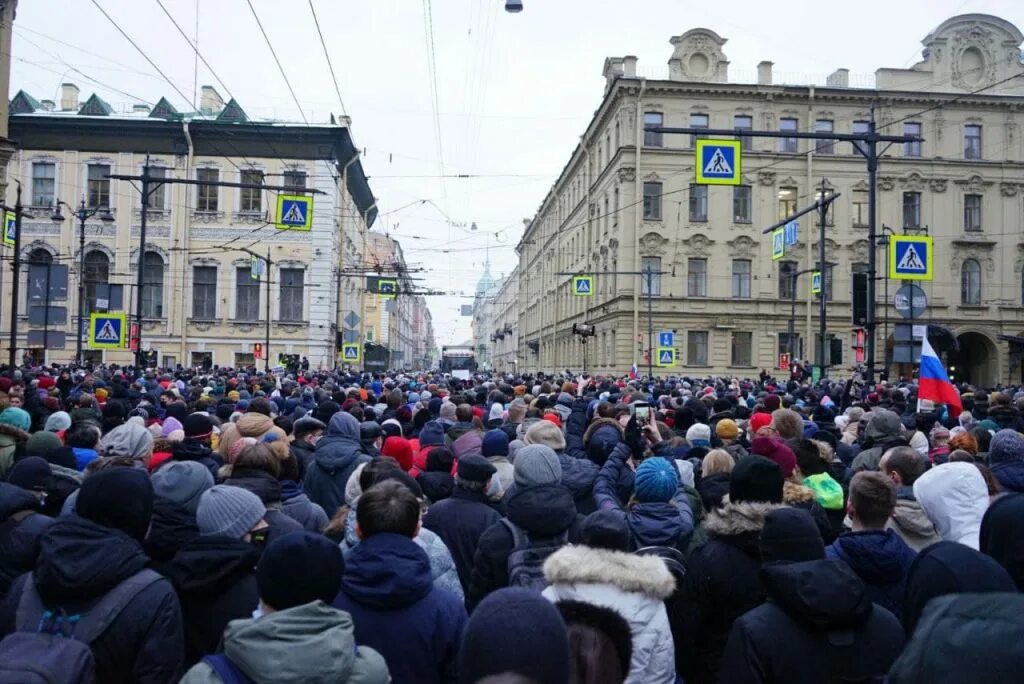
<point>182,482</point>
<point>226,511</point>
<point>537,464</point>
<point>1007,446</point>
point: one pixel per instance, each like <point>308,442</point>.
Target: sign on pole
<point>910,301</point>
<point>107,330</point>
<point>718,162</point>
<point>583,286</point>
<point>294,212</point>
<point>666,357</point>
<point>10,228</point>
<point>792,233</point>
<point>257,267</point>
<point>816,282</point>
<point>387,288</point>
<point>784,362</point>
<point>778,244</point>
<point>350,353</point>
<point>910,257</point>
<point>666,339</point>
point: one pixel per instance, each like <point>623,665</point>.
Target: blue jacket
<point>881,559</point>
<point>616,484</point>
<point>398,612</point>
<point>337,456</point>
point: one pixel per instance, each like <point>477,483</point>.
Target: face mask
<point>258,538</point>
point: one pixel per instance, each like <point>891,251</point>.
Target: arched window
<point>39,256</point>
<point>97,273</point>
<point>33,274</point>
<point>152,285</point>
<point>970,283</point>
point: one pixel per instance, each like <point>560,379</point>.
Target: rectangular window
<point>251,199</point>
<point>698,202</point>
<point>247,295</point>
<point>204,293</point>
<point>911,210</point>
<point>44,178</point>
<point>859,127</point>
<point>790,346</point>
<point>292,281</point>
<point>652,201</point>
<point>787,202</point>
<point>741,278</point>
<point>153,286</point>
<point>99,185</point>
<point>859,208</point>
<point>972,141</point>
<point>294,179</point>
<point>787,284</point>
<point>697,348</point>
<point>244,360</point>
<point>650,283</point>
<point>972,213</point>
<point>791,145</point>
<point>824,146</point>
<point>742,122</point>
<point>912,149</point>
<point>696,277</point>
<point>697,121</point>
<point>741,342</point>
<point>158,196</point>
<point>653,138</point>
<point>742,209</point>
<point>207,195</point>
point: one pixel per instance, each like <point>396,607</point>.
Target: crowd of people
<point>221,526</point>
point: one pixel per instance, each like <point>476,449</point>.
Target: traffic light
<point>257,351</point>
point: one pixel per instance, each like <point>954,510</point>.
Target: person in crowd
<point>954,496</point>
<point>177,488</point>
<point>22,523</point>
<point>794,491</point>
<point>294,501</point>
<point>908,520</point>
<point>337,455</point>
<point>600,643</point>
<point>578,474</point>
<point>494,447</point>
<point>728,434</point>
<point>883,432</point>
<point>196,445</point>
<point>84,440</point>
<point>716,469</point>
<point>436,479</point>
<point>1006,459</point>
<point>257,469</point>
<point>1002,535</point>
<point>306,432</point>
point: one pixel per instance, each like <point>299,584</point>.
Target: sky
<point>514,92</point>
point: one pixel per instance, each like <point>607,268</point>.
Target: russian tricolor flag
<point>632,372</point>
<point>934,384</point>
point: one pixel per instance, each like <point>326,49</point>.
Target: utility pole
<point>266,348</point>
<point>823,207</point>
<point>19,212</point>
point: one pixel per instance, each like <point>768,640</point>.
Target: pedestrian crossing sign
<point>106,331</point>
<point>718,162</point>
<point>666,357</point>
<point>350,352</point>
<point>10,228</point>
<point>816,282</point>
<point>387,289</point>
<point>294,212</point>
<point>910,257</point>
<point>583,286</point>
<point>778,244</point>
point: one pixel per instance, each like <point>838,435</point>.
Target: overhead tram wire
<point>327,55</point>
<point>277,61</point>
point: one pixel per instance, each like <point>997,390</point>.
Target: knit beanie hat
<point>605,529</point>
<point>756,478</point>
<point>515,631</point>
<point>32,473</point>
<point>399,449</point>
<point>699,434</point>
<point>772,402</point>
<point>758,421</point>
<point>197,426</point>
<point>495,443</point>
<point>537,464</point>
<point>727,429</point>
<point>61,420</point>
<point>1006,447</point>
<point>322,567</point>
<point>16,417</point>
<point>119,498</point>
<point>226,511</point>
<point>41,443</point>
<point>547,433</point>
<point>182,482</point>
<point>776,451</point>
<point>790,534</point>
<point>656,480</point>
<point>432,434</point>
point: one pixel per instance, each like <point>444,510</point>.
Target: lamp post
<point>584,330</point>
<point>83,213</point>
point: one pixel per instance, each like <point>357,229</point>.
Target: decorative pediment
<point>97,247</point>
<point>914,182</point>
<point>860,186</point>
<point>698,56</point>
<point>789,181</point>
<point>980,253</point>
<point>232,113</point>
<point>653,244</point>
<point>163,110</point>
<point>204,261</point>
<point>652,177</point>
<point>37,244</point>
<point>975,185</point>
<point>23,103</point>
<point>95,106</point>
<point>697,245</point>
<point>150,247</point>
<point>743,247</point>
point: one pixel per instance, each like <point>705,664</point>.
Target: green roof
<point>23,103</point>
<point>95,106</point>
<point>232,113</point>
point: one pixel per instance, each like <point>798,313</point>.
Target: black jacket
<point>80,561</point>
<point>172,527</point>
<point>215,578</point>
<point>460,521</point>
<point>192,450</point>
<point>436,486</point>
<point>712,489</point>
<point>21,527</point>
<point>818,625</point>
<point>265,486</point>
<point>304,453</point>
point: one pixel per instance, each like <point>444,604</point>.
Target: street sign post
<point>387,288</point>
<point>718,162</point>
<point>778,244</point>
<point>666,357</point>
<point>910,301</point>
<point>911,257</point>
<point>10,228</point>
<point>666,338</point>
<point>294,212</point>
<point>792,233</point>
<point>816,283</point>
<point>350,353</point>
<point>107,330</point>
<point>583,286</point>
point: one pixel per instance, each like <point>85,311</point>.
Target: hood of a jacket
<point>1000,535</point>
<point>1006,416</point>
<point>911,518</point>
<point>1010,475</point>
<point>733,519</point>
<point>338,451</point>
<point>387,571</point>
<point>190,450</point>
<point>343,424</point>
<point>172,527</point>
<point>884,425</point>
<point>657,524</point>
<point>468,444</point>
<point>628,572</point>
<point>80,560</point>
<point>955,497</point>
<point>13,499</point>
<point>259,482</point>
<point>824,594</point>
<point>878,557</point>
<point>436,485</point>
<point>212,564</point>
<point>544,510</point>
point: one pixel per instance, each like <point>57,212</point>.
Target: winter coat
<point>398,612</point>
<point>215,578</point>
<point>712,489</point>
<point>194,450</point>
<point>1010,475</point>
<point>266,486</point>
<point>297,506</point>
<point>881,559</point>
<point>171,528</point>
<point>63,483</point>
<point>818,625</point>
<point>504,471</point>
<point>1006,417</point>
<point>12,443</point>
<point>254,425</point>
<point>883,432</point>
<point>954,497</point>
<point>544,512</point>
<point>721,584</point>
<point>304,454</point>
<point>579,475</point>
<point>21,528</point>
<point>310,644</point>
<point>737,451</point>
<point>79,562</point>
<point>799,496</point>
<point>460,521</point>
<point>338,454</point>
<point>633,586</point>
<point>621,488</point>
<point>910,522</point>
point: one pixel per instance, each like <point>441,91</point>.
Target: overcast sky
<point>514,92</point>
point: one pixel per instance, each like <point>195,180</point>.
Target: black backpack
<point>52,647</point>
<point>526,561</point>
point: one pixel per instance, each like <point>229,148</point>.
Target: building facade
<point>627,203</point>
<point>505,333</point>
<point>400,325</point>
<point>483,316</point>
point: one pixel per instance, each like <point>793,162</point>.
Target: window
<point>912,149</point>
<point>911,210</point>
<point>698,202</point>
<point>824,146</point>
<point>99,185</point>
<point>152,285</point>
<point>291,293</point>
<point>741,342</point>
<point>294,179</point>
<point>972,213</point>
<point>787,125</point>
<point>247,295</point>
<point>97,273</point>
<point>697,347</point>
<point>860,208</point>
<point>742,122</point>
<point>741,278</point>
<point>244,360</point>
<point>652,201</point>
<point>859,127</point>
<point>204,293</point>
<point>207,195</point>
<point>787,202</point>
<point>791,346</point>
<point>251,199</point>
<point>697,121</point>
<point>158,194</point>
<point>970,283</point>
<point>697,277</point>
<point>972,141</point>
<point>650,284</point>
<point>742,209</point>
<point>44,177</point>
<point>653,138</point>
<point>787,284</point>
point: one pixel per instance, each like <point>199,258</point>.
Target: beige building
<point>200,304</point>
<point>627,201</point>
<point>482,325</point>
<point>505,334</point>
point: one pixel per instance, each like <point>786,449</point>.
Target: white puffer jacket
<point>954,496</point>
<point>633,586</point>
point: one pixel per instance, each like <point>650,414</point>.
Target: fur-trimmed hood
<point>16,434</point>
<point>794,494</point>
<point>597,425</point>
<point>627,572</point>
<point>732,519</point>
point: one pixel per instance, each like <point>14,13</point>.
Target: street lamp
<point>584,330</point>
<point>83,214</point>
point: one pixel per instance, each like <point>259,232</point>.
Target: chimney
<point>764,73</point>
<point>629,66</point>
<point>68,97</point>
<point>210,101</point>
<point>140,108</point>
<point>840,78</point>
<point>47,105</point>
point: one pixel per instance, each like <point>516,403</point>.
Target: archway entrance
<point>977,361</point>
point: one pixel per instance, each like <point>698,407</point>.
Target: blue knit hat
<point>656,480</point>
<point>495,443</point>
